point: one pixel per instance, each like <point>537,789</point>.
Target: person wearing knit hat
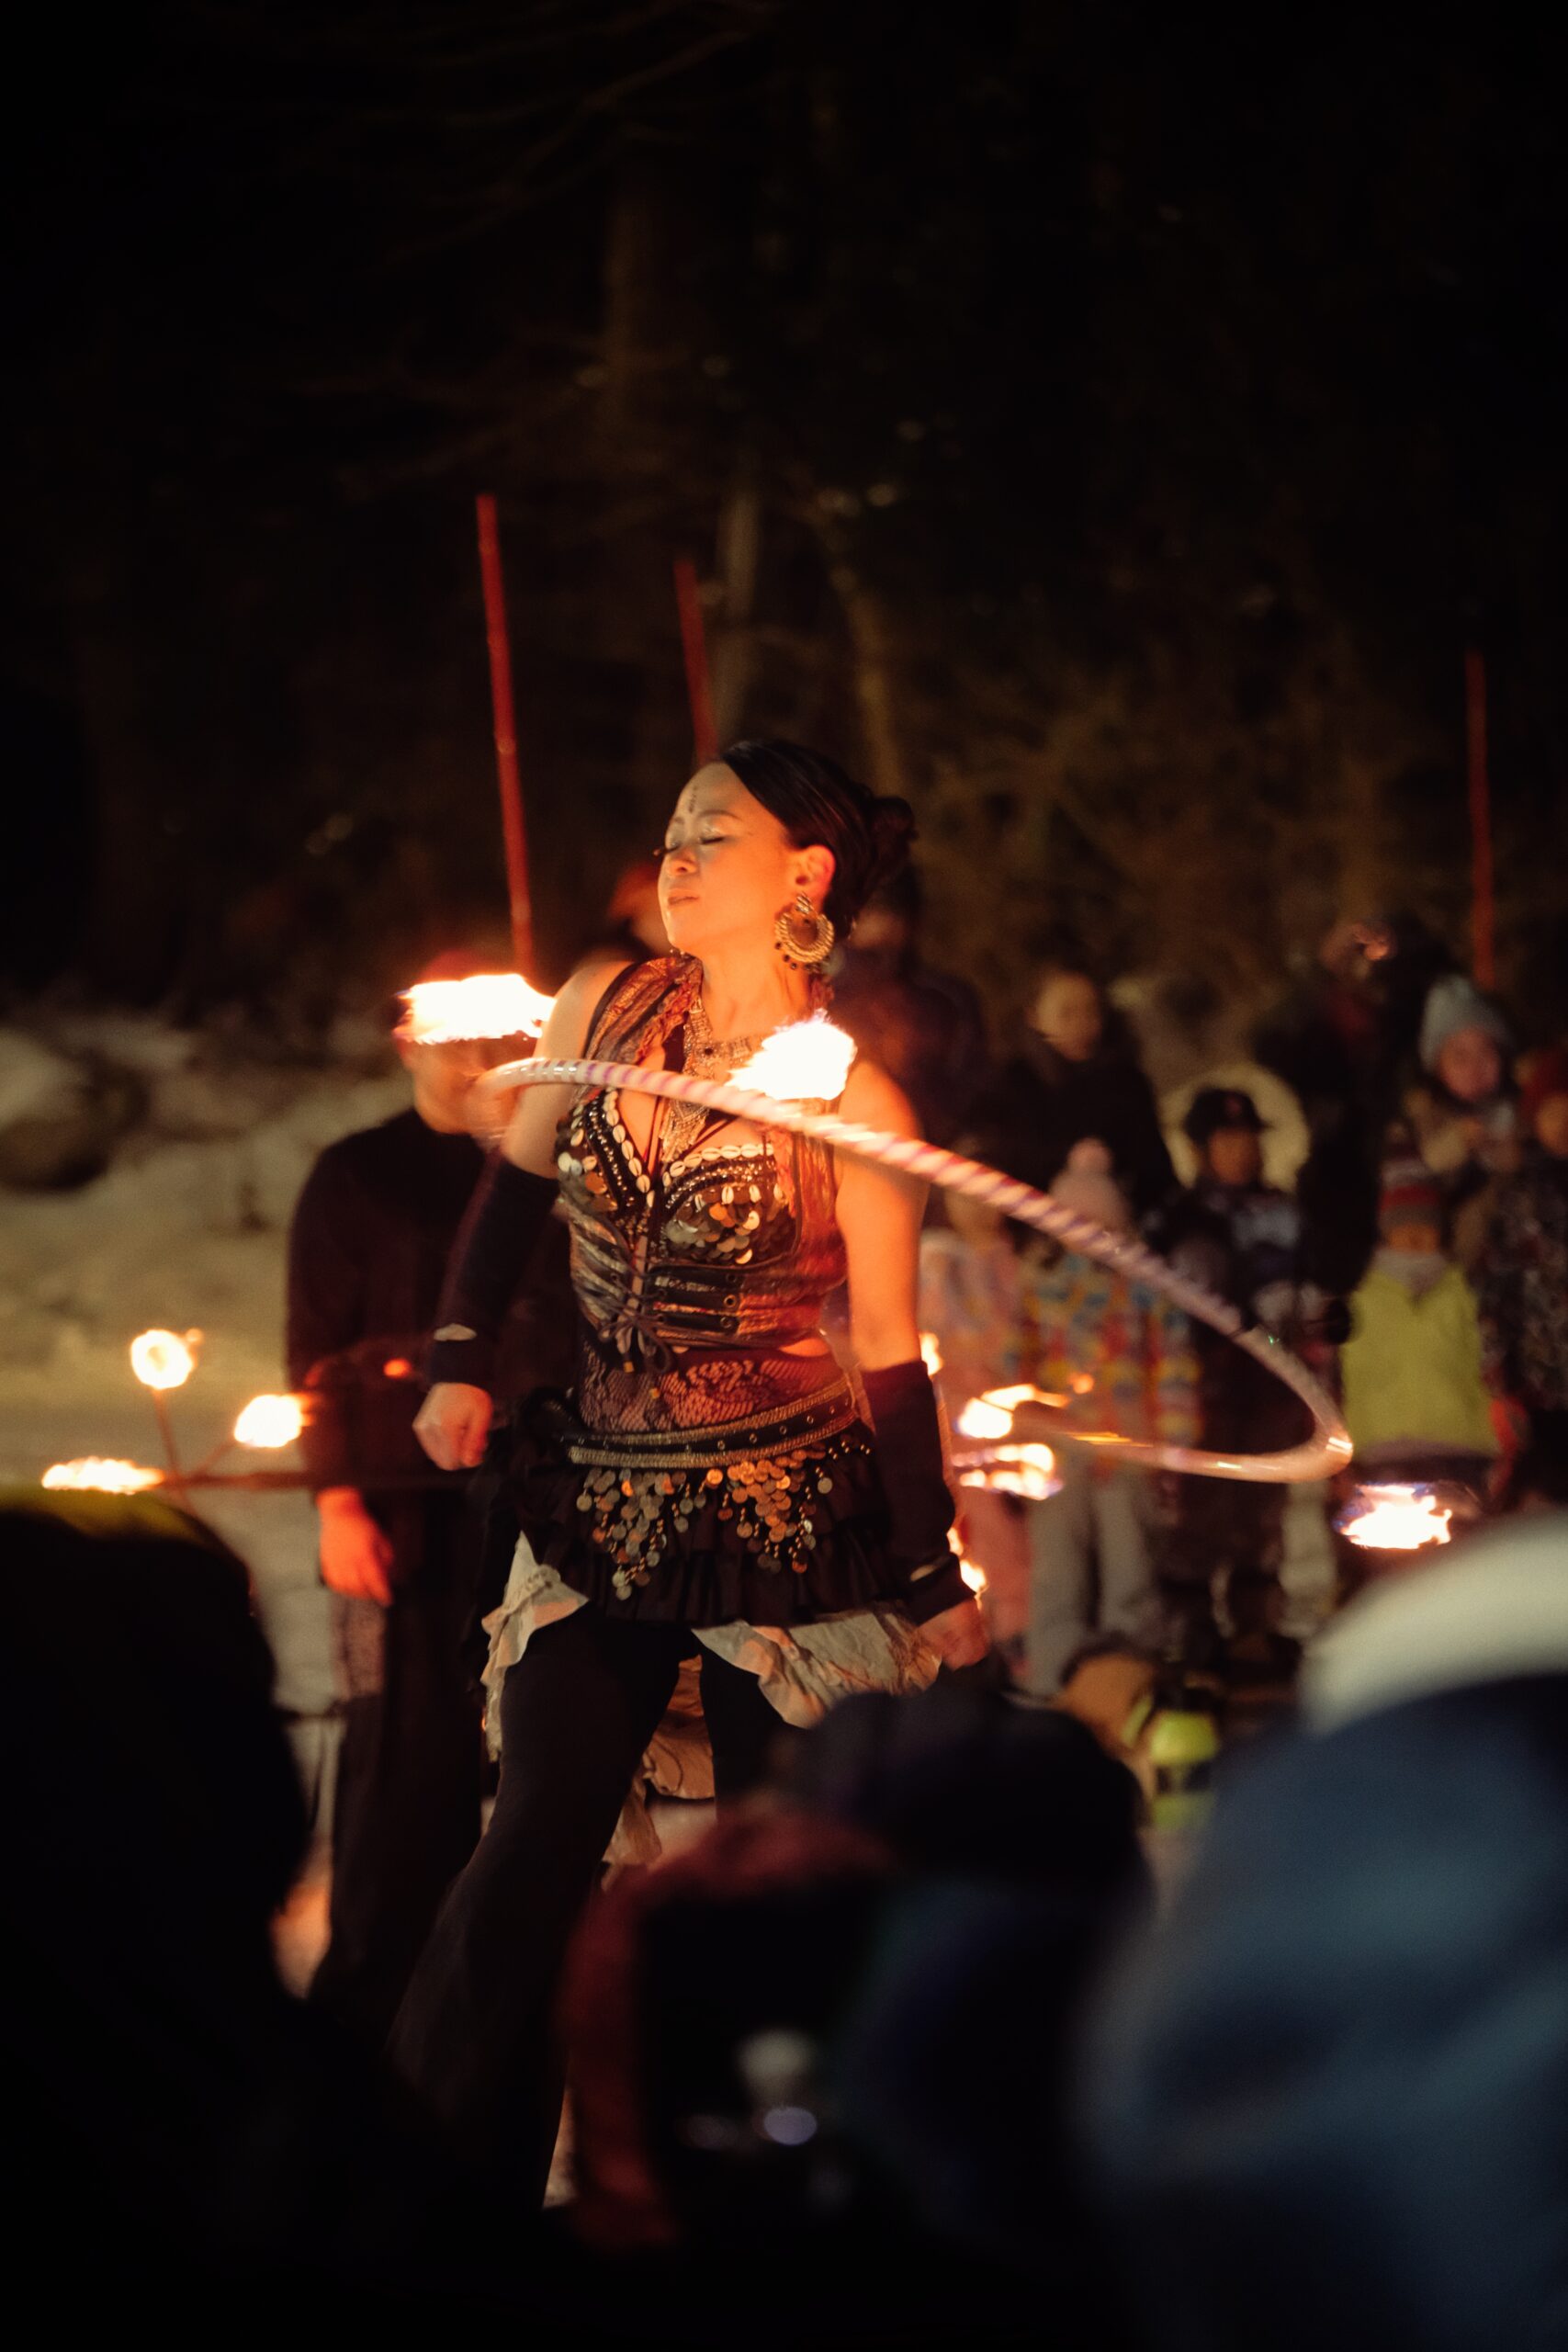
<point>1124,1356</point>
<point>1460,1109</point>
<point>1416,1398</point>
<point>1523,1275</point>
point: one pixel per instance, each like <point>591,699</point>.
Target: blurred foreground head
<point>1327,2100</point>
<point>850,2020</point>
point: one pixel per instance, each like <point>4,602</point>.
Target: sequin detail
<point>646,1490</point>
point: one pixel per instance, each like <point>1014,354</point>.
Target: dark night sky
<point>1175,402</point>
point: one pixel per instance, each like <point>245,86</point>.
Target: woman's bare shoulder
<point>874,1100</point>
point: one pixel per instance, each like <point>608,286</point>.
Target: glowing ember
<point>95,1475</point>
<point>973,1577</point>
<point>1396,1518</point>
<point>930,1353</point>
<point>270,1421</point>
<point>806,1062</point>
<point>398,1368</point>
<point>163,1360</point>
<point>489,1004</point>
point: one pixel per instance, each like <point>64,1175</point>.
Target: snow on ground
<point>186,1228</point>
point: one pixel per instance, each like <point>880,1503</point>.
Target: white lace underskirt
<point>803,1671</point>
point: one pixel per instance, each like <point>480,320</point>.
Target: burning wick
<point>1396,1518</point>
<point>163,1360</point>
<point>487,1005</point>
<point>97,1475</point>
<point>973,1577</point>
<point>808,1061</point>
<point>270,1421</point>
<point>930,1353</point>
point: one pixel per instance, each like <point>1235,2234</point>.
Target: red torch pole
<point>505,736</point>
<point>1481,929</point>
<point>693,645</point>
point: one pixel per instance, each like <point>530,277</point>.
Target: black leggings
<point>474,2036</point>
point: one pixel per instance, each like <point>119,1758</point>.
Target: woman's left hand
<point>958,1635</point>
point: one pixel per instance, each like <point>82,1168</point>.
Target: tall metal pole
<point>507,774</point>
<point>1482,934</point>
<point>693,646</point>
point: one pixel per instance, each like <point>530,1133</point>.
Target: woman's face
<point>1469,1065</point>
<point>1068,1014</point>
<point>729,869</point>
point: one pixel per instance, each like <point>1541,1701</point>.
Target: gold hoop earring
<point>802,936</point>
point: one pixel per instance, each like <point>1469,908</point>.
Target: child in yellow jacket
<point>1415,1401</point>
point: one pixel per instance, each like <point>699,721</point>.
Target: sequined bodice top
<point>713,1243</point>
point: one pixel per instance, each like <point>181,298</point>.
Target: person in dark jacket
<point>1241,1239</point>
<point>1064,1085</point>
<point>400,1543</point>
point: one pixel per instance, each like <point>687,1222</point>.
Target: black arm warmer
<point>489,1259</point>
<point>919,1507</point>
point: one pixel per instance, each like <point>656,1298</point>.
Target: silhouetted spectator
<point>205,2141</point>
<point>923,1026</point>
<point>1325,2099</point>
<point>1063,1086</point>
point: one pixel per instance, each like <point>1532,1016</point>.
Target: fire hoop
<point>1328,1448</point>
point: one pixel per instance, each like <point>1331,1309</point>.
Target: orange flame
<point>1397,1518</point>
<point>975,1577</point>
<point>983,1417</point>
<point>488,1004</point>
<point>930,1353</point>
<point>163,1358</point>
<point>807,1061</point>
<point>1026,1471</point>
<point>95,1475</point>
<point>270,1421</point>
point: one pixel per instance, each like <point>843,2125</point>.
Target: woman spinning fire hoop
<point>712,1486</point>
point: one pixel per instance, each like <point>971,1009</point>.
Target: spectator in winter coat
<point>1416,1402</point>
<point>1124,1358</point>
<point>1241,1239</point>
<point>1065,1086</point>
<point>1460,1109</point>
<point>1523,1276</point>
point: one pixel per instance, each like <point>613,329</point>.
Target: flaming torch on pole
<point>162,1362</point>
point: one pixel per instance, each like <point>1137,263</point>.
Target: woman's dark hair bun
<point>816,800</point>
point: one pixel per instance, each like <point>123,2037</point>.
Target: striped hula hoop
<point>1326,1451</point>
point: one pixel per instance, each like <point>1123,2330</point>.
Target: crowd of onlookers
<point>927,2044</point>
<point>1380,1181</point>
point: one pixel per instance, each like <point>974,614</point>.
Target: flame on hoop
<point>94,1474</point>
<point>163,1358</point>
<point>1026,1471</point>
<point>1396,1518</point>
<point>806,1062</point>
<point>488,1004</point>
<point>270,1421</point>
<point>975,1577</point>
<point>930,1353</point>
<point>980,1418</point>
